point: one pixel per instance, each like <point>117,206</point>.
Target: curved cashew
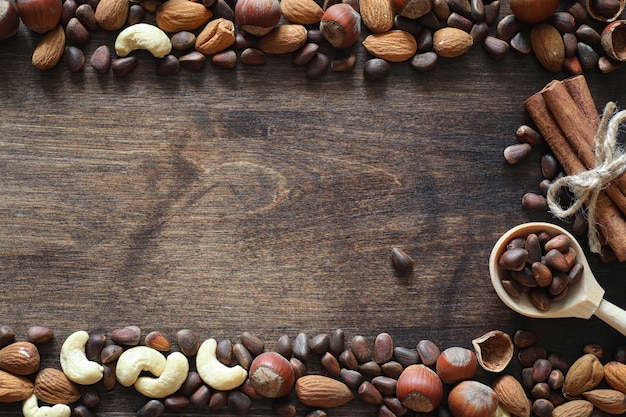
<point>137,359</point>
<point>169,381</point>
<point>143,36</point>
<point>30,408</point>
<point>213,372</point>
<point>75,364</point>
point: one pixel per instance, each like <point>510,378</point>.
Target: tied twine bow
<point>586,186</point>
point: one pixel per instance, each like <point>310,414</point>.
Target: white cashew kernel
<point>136,360</point>
<point>30,408</point>
<point>213,372</point>
<point>143,36</point>
<point>172,378</point>
<point>75,364</point>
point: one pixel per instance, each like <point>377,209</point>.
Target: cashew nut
<point>30,408</point>
<point>172,378</point>
<point>137,359</point>
<point>213,372</point>
<point>143,36</point>
<point>75,364</point>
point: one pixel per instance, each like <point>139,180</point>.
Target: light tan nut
<point>217,35</point>
<point>511,396</point>
<point>283,39</point>
<point>136,360</point>
<point>322,392</point>
<point>392,46</point>
<point>304,12</point>
<point>377,15</point>
<point>610,401</point>
<point>20,358</point>
<point>49,50</point>
<point>177,15</point>
<point>213,372</point>
<point>578,408</point>
<point>14,388</point>
<point>112,14</point>
<point>143,36</point>
<point>53,387</point>
<point>170,380</point>
<point>30,408</point>
<point>615,375</point>
<point>74,362</point>
<point>584,374</point>
<point>451,42</point>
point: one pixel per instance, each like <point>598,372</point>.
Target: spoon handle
<point>612,315</point>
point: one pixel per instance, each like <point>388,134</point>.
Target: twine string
<point>586,186</point>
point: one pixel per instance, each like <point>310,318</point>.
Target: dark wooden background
<point>256,200</point>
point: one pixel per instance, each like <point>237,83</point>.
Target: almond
<point>49,50</point>
<point>216,36</point>
<point>283,39</point>
<point>578,408</point>
<point>377,15</point>
<point>610,401</point>
<point>20,358</point>
<point>322,392</point>
<point>178,15</point>
<point>303,12</point>
<point>14,388</point>
<point>512,396</point>
<point>392,46</point>
<point>112,14</point>
<point>584,374</point>
<point>615,375</point>
<point>548,46</point>
<point>451,42</point>
<point>53,387</point>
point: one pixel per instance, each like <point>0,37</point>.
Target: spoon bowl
<point>583,300</point>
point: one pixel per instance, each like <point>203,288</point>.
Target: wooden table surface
<point>255,200</point>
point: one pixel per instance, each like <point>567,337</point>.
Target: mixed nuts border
<point>310,373</point>
<point>574,38</point>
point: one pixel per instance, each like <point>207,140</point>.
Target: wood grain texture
<point>255,200</point>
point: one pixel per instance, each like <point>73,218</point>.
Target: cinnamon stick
<point>580,132</point>
<point>611,222</point>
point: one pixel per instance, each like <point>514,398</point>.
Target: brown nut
<point>177,15</point>
<point>217,35</point>
<point>341,25</point>
<point>40,15</point>
<point>494,350</point>
<point>257,17</point>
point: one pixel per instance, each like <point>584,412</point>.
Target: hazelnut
<point>40,15</point>
<point>533,11</point>
<point>271,375</point>
<point>257,17</point>
<point>456,364</point>
<point>419,389</point>
<point>472,399</point>
<point>9,19</point>
<point>341,25</point>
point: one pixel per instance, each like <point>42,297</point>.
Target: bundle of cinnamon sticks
<point>566,116</point>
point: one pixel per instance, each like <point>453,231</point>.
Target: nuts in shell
<point>613,40</point>
<point>584,374</point>
<point>419,388</point>
<point>548,46</point>
<point>456,364</point>
<point>533,11</point>
<point>40,15</point>
<point>283,39</point>
<point>9,19</point>
<point>257,17</point>
<point>341,25</point>
<point>303,12</point>
<point>472,399</point>
<point>322,392</point>
<point>271,375</point>
<point>178,15</point>
<point>20,358</point>
<point>451,42</point>
<point>392,46</point>
<point>53,387</point>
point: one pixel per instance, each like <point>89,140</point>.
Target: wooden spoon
<point>583,300</point>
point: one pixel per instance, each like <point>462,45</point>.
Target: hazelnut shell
<point>40,15</point>
<point>494,350</point>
